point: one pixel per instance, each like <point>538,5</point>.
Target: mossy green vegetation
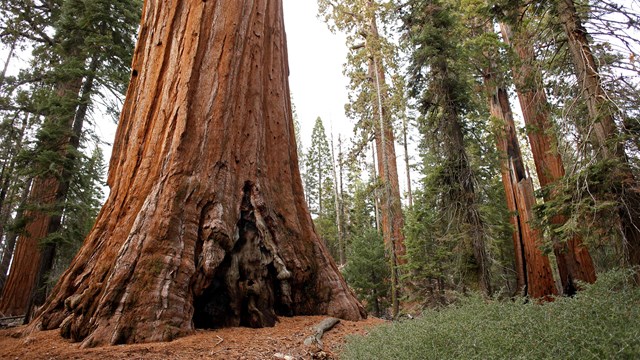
<point>600,322</point>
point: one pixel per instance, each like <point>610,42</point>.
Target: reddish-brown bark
<point>26,259</point>
<point>392,219</point>
<point>391,206</point>
<point>47,189</point>
<point>206,222</point>
<point>573,258</point>
<point>533,271</point>
<point>605,134</point>
<point>540,282</point>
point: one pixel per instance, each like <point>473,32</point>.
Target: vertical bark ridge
<point>573,258</point>
<point>212,229</point>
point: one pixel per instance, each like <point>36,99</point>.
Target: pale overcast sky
<point>316,58</point>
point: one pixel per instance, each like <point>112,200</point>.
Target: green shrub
<point>600,322</point>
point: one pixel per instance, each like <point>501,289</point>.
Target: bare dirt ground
<point>284,341</point>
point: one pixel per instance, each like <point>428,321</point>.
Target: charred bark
<point>534,276</point>
<point>573,258</point>
<point>206,223</point>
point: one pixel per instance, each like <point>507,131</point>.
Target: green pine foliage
<point>80,55</point>
<point>318,178</point>
<point>367,271</point>
<point>459,164</point>
<point>600,322</point>
<point>79,211</point>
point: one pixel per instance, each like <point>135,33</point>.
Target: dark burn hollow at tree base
<point>247,289</point>
<point>205,224</point>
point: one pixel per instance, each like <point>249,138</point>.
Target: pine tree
<point>89,50</point>
<point>443,94</point>
<point>318,168</point>
<point>373,106</point>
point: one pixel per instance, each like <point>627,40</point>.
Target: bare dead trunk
<point>406,163</point>
<point>12,48</point>
<point>337,195</point>
<point>206,223</point>
<point>605,132</point>
<point>573,258</point>
<point>376,200</point>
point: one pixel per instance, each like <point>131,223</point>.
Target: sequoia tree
<point>206,223</point>
<point>603,133</point>
<point>533,271</point>
<point>372,56</point>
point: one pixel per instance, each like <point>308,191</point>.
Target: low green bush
<point>600,322</point>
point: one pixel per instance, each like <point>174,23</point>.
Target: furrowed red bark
<point>45,193</point>
<point>540,284</point>
<point>206,223</point>
<point>606,135</point>
<point>534,276</point>
<point>573,258</point>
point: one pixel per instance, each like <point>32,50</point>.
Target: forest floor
<point>284,341</point>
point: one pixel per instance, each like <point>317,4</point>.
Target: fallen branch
<point>220,340</point>
<point>322,327</point>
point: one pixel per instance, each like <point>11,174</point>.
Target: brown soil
<point>286,338</point>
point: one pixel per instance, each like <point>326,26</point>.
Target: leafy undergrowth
<point>601,322</point>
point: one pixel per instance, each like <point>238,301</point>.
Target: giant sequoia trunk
<point>206,223</point>
<point>605,134</point>
<point>46,193</point>
<point>533,271</point>
<point>573,258</point>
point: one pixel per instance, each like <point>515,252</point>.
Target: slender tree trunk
<point>406,162</point>
<point>8,177</point>
<point>534,275</point>
<point>573,258</point>
<point>48,250</point>
<point>391,205</point>
<point>343,219</point>
<point>206,223</point>
<point>336,197</point>
<point>376,200</point>
<point>6,62</point>
<point>605,132</point>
